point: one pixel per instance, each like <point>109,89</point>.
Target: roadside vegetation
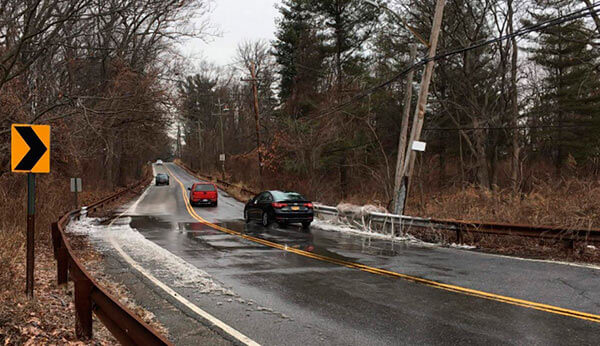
<point>95,71</point>
<point>511,127</point>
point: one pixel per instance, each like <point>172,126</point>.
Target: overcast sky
<point>237,20</point>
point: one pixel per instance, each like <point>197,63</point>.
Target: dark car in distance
<point>162,179</point>
<point>204,193</point>
<point>282,207</point>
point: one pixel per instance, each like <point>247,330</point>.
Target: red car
<point>204,193</point>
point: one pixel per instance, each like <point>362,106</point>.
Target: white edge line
<point>215,321</point>
<point>382,236</point>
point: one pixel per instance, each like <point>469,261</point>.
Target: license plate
<point>295,208</point>
<point>205,200</point>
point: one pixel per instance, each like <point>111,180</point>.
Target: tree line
<point>94,70</point>
<point>498,115</point>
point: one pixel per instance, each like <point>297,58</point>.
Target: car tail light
<point>308,205</point>
<point>279,205</point>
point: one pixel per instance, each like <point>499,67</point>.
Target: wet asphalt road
<point>288,299</point>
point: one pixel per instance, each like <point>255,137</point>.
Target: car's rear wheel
<point>246,216</point>
<point>265,219</point>
<point>306,225</point>
<point>215,203</point>
<point>282,224</point>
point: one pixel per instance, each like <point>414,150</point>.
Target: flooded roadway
<point>285,298</point>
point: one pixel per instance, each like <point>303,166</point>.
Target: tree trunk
<point>483,175</point>
<point>442,168</point>
<point>515,167</point>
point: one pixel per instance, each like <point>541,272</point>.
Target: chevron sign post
<point>30,153</point>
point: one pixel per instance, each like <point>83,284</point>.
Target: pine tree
<point>347,26</point>
<point>571,97</point>
<point>299,53</point>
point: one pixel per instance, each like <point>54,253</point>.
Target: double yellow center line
<point>383,272</point>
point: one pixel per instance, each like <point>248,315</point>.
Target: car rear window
<point>161,175</point>
<point>287,196</point>
<point>204,187</point>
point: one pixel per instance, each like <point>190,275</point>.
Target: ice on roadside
<point>335,226</point>
<point>344,225</point>
<point>159,261</point>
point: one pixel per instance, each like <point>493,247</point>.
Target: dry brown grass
<point>569,203</point>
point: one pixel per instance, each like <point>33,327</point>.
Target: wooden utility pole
<point>419,115</point>
<point>200,144</point>
<point>179,141</point>
<point>404,131</point>
<point>254,82</point>
<point>221,158</point>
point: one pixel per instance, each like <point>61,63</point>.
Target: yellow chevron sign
<point>30,148</point>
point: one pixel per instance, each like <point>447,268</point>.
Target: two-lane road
<point>296,288</point>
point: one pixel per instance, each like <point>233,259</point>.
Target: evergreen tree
<point>347,26</point>
<point>299,52</point>
<point>571,97</point>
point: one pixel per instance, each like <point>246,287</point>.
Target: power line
<point>536,27</point>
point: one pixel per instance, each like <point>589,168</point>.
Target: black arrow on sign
<point>36,148</point>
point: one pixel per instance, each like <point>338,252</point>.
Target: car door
<point>264,203</point>
<point>254,211</point>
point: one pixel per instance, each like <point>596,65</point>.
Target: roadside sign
<point>30,148</point>
<point>30,153</point>
<point>76,185</point>
<point>418,146</point>
<point>222,157</point>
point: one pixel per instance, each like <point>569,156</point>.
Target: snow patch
<point>332,225</point>
<point>462,246</point>
<point>336,226</point>
<point>360,211</point>
<point>160,260</point>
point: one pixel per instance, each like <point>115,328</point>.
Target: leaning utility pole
<point>254,82</point>
<point>404,131</point>
<point>419,115</point>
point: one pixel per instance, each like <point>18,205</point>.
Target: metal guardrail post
<point>61,256</point>
<point>459,235</point>
<point>62,266</point>
<point>83,304</point>
<point>55,238</point>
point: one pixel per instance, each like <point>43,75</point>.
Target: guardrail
<point>392,223</point>
<point>90,297</point>
<point>403,222</point>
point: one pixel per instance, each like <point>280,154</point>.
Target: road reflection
<point>328,243</point>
